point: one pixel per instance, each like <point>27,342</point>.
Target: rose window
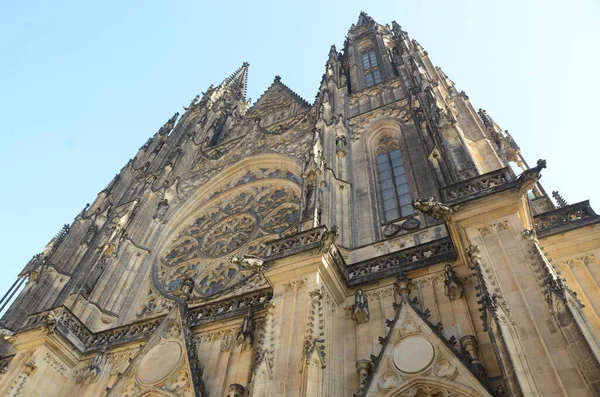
<point>238,222</point>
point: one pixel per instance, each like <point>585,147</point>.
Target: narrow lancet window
<point>370,67</point>
<point>395,193</point>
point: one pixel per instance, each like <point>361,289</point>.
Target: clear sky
<point>84,84</point>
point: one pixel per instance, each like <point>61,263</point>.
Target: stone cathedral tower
<point>385,240</point>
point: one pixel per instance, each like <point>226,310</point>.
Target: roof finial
<point>559,199</point>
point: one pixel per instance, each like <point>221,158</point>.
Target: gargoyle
<point>433,208</point>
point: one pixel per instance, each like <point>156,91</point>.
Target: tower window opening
<point>395,192</point>
<point>372,78</point>
<point>369,59</point>
<point>370,67</point>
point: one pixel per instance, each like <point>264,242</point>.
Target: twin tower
<point>385,240</point>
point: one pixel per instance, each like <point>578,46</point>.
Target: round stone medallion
<point>159,362</point>
<point>413,354</point>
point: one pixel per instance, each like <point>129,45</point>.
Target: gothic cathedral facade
<point>385,240</point>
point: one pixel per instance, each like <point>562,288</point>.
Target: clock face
<point>236,221</point>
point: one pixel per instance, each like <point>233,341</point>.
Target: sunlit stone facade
<point>386,240</point>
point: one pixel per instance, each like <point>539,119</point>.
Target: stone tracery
<point>238,220</point>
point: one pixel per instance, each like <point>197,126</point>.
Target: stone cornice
<point>62,321</point>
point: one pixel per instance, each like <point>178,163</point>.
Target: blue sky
<point>84,84</point>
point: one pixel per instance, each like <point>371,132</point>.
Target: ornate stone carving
<point>7,335</point>
<point>328,239</point>
<point>407,259</point>
<point>55,364</point>
<point>295,284</point>
<point>475,185</point>
<point>161,210</point>
<point>453,288</point>
<point>238,223</point>
<point>473,255</point>
<point>531,175</point>
<point>469,346</point>
<point>314,342</point>
<point>119,361</point>
<point>434,209</point>
<point>245,335</point>
<point>236,390</point>
<point>153,305</point>
<point>565,218</point>
<point>363,368</point>
<point>340,145</point>
<point>444,369</point>
<point>90,373</point>
<point>249,262</point>
<point>391,230</point>
<point>360,309</point>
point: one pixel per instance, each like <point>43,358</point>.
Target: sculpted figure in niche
<point>163,206</point>
<point>360,310</point>
<point>452,285</point>
<point>311,198</point>
<point>340,145</point>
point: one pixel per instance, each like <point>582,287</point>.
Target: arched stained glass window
<point>395,193</point>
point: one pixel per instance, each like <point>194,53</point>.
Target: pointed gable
<point>414,358</point>
<point>166,365</point>
<point>278,103</point>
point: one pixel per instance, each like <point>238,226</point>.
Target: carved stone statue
<point>360,309</point>
<point>236,390</point>
<point>433,208</point>
<point>186,289</point>
<point>363,368</point>
<point>473,255</point>
<point>245,335</point>
<point>311,198</point>
<point>469,346</point>
<point>453,288</point>
<point>340,145</point>
<point>328,239</point>
<point>163,206</point>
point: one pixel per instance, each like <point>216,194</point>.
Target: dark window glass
<point>395,192</point>
<point>369,59</point>
<point>377,76</point>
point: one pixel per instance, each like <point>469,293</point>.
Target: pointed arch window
<point>371,68</point>
<point>393,181</point>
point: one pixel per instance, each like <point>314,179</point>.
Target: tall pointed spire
<point>238,81</point>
